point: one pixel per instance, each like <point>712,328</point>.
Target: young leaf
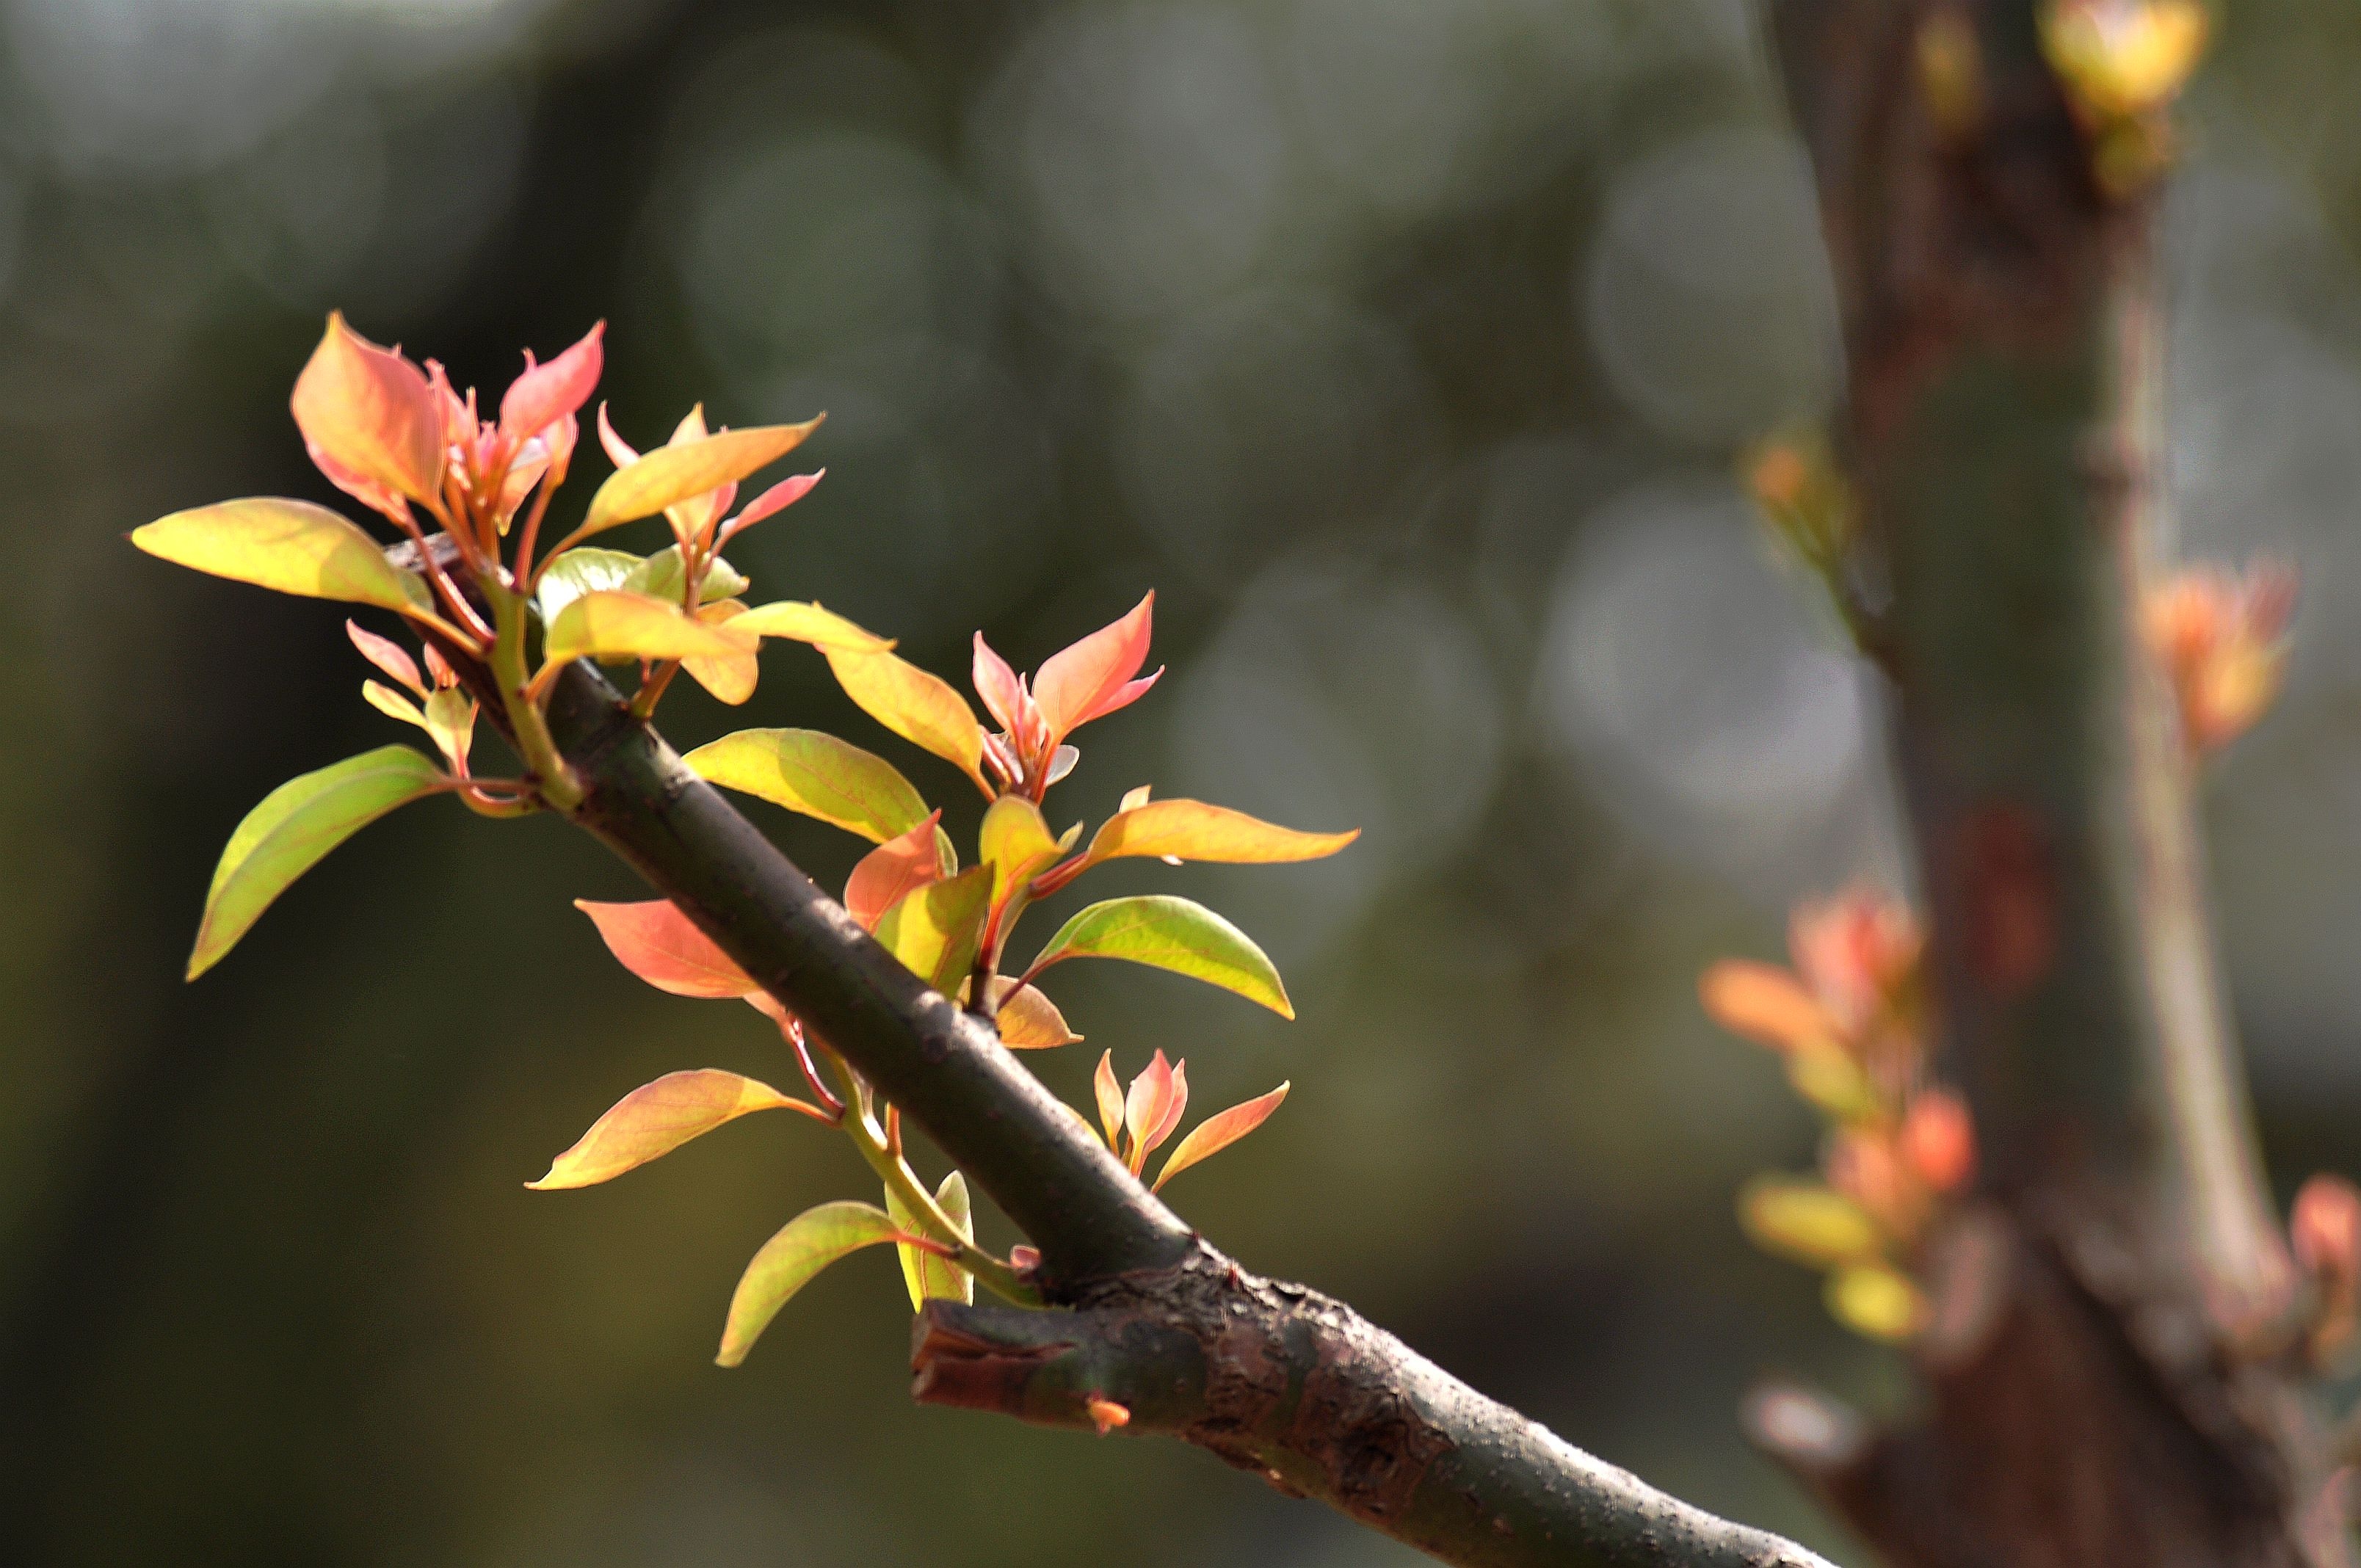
<point>936,929</point>
<point>789,1261</point>
<point>388,655</point>
<point>391,703</point>
<point>1767,1004</point>
<point>292,546</point>
<point>657,1118</point>
<point>1028,1021</point>
<point>801,623</point>
<point>1171,934</point>
<point>1876,1301</point>
<point>1193,830</point>
<point>1109,1091</point>
<point>730,680</point>
<point>895,869</point>
<point>771,502</point>
<point>670,474</point>
<point>577,572</point>
<point>614,622</point>
<point>1092,677</point>
<point>547,394</point>
<point>1014,842</point>
<point>817,774</point>
<point>1153,1107</point>
<point>450,720</point>
<point>371,414</point>
<point>929,1277</point>
<point>655,941</point>
<point>1805,1222</point>
<point>1218,1131</point>
<point>913,704</point>
<point>296,825</point>
<point>659,576</point>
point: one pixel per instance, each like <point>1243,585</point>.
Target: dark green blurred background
<point>1403,346</point>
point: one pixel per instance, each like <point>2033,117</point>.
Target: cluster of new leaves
<point>397,437</point>
<point>2222,643</point>
<point>1848,1020</point>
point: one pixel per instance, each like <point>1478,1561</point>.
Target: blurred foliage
<point>1405,346</point>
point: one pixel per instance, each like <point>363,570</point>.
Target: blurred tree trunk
<point>2108,1375</point>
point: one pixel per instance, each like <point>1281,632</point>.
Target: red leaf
<point>387,655</point>
<point>1076,685</point>
<point>369,415</point>
<point>547,394</point>
<point>777,499</point>
<point>655,941</point>
<point>892,870</point>
<point>1003,694</point>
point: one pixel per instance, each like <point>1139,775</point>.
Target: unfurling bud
<point>1106,1415</point>
<point>2325,1227</point>
<point>1938,1140</point>
<point>2223,642</point>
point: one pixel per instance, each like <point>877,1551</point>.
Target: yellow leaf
<point>1806,1222</point>
<point>730,680</point>
<point>1876,1301</point>
<point>929,1278</point>
<point>1193,830</point>
<point>670,474</point>
<point>612,622</point>
<point>391,703</point>
<point>922,708</point>
<point>1014,842</point>
<point>817,774</point>
<point>657,1118</point>
<point>1028,1020</point>
<point>809,623</point>
<point>292,546</point>
<point>936,929</point>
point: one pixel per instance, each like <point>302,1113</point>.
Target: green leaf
<point>790,1260</point>
<point>936,929</point>
<point>817,774</point>
<point>294,828</point>
<point>613,622</point>
<point>657,1118</point>
<point>1171,934</point>
<point>290,546</point>
<point>802,622</point>
<point>588,570</point>
<point>659,576</point>
<point>929,1278</point>
<point>673,474</point>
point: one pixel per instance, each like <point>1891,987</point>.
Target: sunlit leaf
<point>657,1118</point>
<point>370,414</point>
<point>295,825</point>
<point>655,941</point>
<point>997,684</point>
<point>937,929</point>
<point>897,868</point>
<point>1806,1222</point>
<point>547,394</point>
<point>931,1277</point>
<point>388,655</point>
<point>451,721</point>
<point>730,680</point>
<point>1108,1089</point>
<point>1765,1004</point>
<point>1828,1078</point>
<point>670,474</point>
<point>1014,842</point>
<point>1153,1107</point>
<point>789,1260</point>
<point>1087,679</point>
<point>391,703</point>
<point>611,622</point>
<point>775,500</point>
<point>577,572</point>
<point>1193,830</point>
<point>1876,1301</point>
<point>801,623</point>
<point>816,773</point>
<point>913,704</point>
<point>292,546</point>
<point>659,576</point>
<point>1028,1020</point>
<point>1172,934</point>
<point>1218,1131</point>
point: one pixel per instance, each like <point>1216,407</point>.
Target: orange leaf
<point>1193,830</point>
<point>387,655</point>
<point>1218,1131</point>
<point>896,867</point>
<point>730,679</point>
<point>547,394</point>
<point>1765,1004</point>
<point>1094,676</point>
<point>655,941</point>
<point>1109,1089</point>
<point>369,414</point>
<point>657,1118</point>
<point>1028,1020</point>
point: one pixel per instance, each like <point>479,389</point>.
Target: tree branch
<point>1274,1378</point>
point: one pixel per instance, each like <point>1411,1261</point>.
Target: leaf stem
<point>876,1148</point>
<point>552,777</point>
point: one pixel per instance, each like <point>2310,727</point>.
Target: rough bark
<point>2099,1390</point>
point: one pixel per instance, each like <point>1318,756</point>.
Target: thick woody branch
<point>1272,1377</point>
